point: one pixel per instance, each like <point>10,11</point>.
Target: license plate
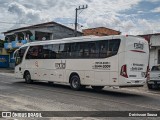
<point>136,81</point>
<point>150,82</point>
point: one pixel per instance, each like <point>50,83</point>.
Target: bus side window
<point>86,48</point>
<point>69,48</point>
<point>114,46</point>
<point>32,53</point>
<point>103,49</point>
<point>55,49</point>
<point>46,52</point>
<point>60,51</point>
<point>93,50</point>
<point>50,52</point>
<point>35,52</point>
<point>40,52</point>
<point>78,50</point>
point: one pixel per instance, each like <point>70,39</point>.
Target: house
<point>44,31</point>
<point>154,43</point>
<point>100,31</point>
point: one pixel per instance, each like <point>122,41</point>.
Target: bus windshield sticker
<point>61,65</point>
<point>102,65</point>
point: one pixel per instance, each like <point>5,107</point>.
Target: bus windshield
<point>18,55</point>
<point>155,68</point>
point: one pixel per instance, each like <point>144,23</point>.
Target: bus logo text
<point>139,46</point>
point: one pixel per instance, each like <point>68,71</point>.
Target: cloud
<point>127,25</point>
<point>139,12</point>
<point>143,26</point>
<point>26,15</point>
<point>152,1</point>
<point>112,14</point>
<point>156,10</point>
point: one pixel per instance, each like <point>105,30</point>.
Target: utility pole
<point>79,8</point>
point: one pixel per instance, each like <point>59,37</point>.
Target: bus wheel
<point>75,82</point>
<point>97,88</point>
<point>28,78</point>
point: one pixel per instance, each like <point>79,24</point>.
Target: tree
<point>1,43</point>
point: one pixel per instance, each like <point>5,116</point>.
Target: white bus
<point>85,61</point>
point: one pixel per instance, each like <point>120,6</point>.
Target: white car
<point>154,81</point>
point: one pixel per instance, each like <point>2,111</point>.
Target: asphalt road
<point>16,95</point>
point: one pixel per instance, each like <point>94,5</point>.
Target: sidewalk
<point>6,70</point>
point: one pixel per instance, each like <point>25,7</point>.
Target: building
<point>4,57</point>
<point>100,31</point>
<point>45,31</point>
<point>154,42</point>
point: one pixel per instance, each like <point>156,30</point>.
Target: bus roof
<point>76,39</point>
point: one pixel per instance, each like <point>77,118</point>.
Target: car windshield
<point>155,68</point>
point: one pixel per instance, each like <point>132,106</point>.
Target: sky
<point>132,17</point>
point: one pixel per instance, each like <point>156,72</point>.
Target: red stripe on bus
<point>138,51</point>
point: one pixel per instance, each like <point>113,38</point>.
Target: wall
<point>154,56</point>
<point>59,32</point>
<point>155,46</point>
<point>4,61</point>
<point>155,40</point>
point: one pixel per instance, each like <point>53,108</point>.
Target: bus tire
<point>27,78</point>
<point>75,82</point>
<point>97,88</point>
